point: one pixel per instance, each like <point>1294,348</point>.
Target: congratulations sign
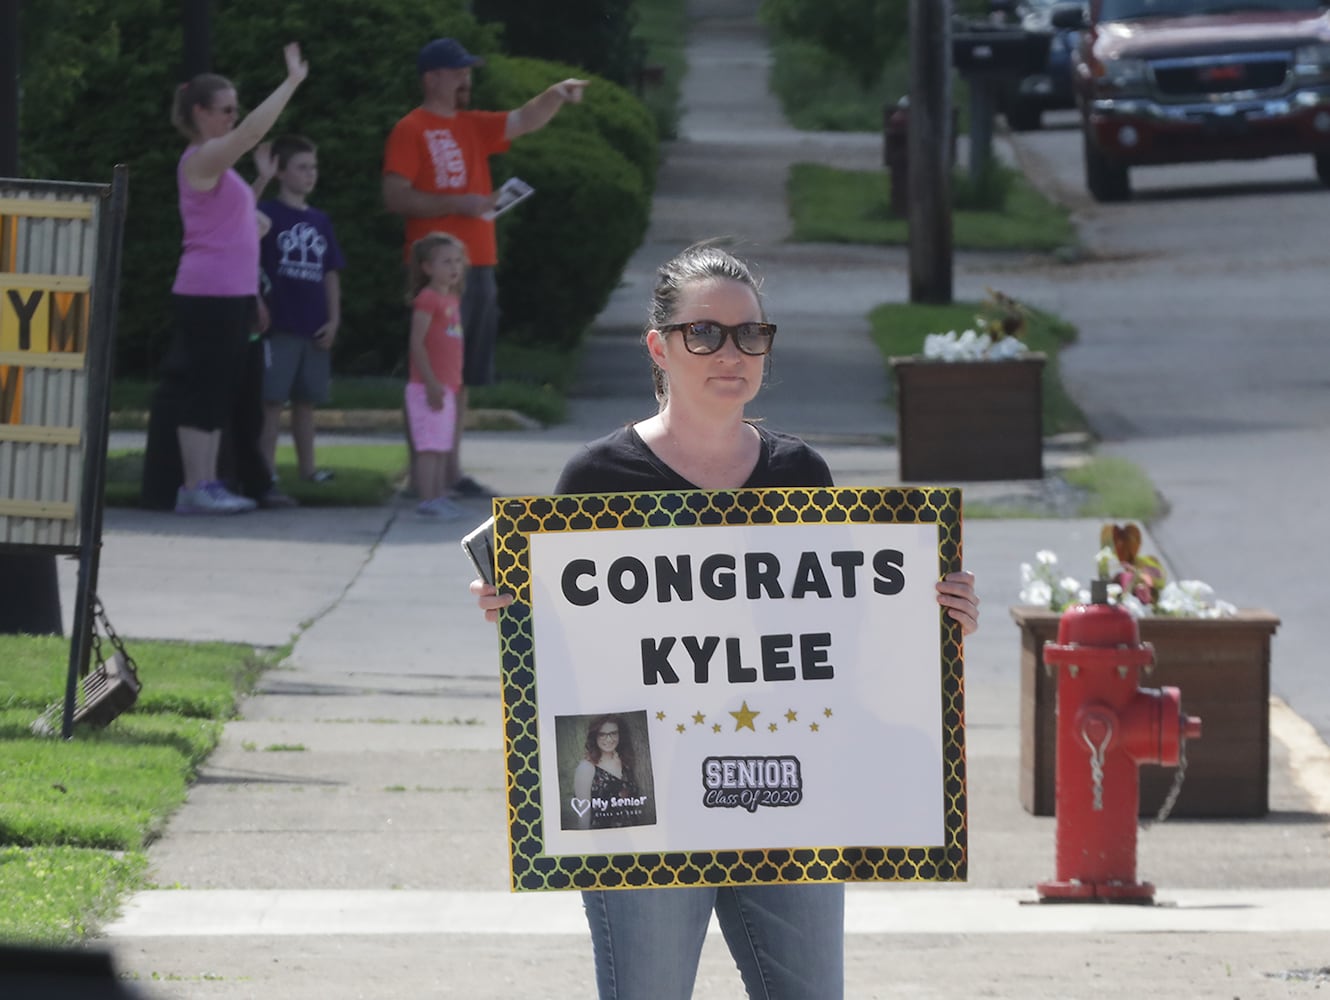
<point>734,690</point>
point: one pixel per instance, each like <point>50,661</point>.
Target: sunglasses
<point>706,337</point>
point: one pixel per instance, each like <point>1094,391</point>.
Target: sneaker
<point>219,491</point>
<point>275,499</point>
<point>320,476</point>
<point>210,498</point>
<point>469,488</point>
<point>439,507</point>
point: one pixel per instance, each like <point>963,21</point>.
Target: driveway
<point>1205,358</point>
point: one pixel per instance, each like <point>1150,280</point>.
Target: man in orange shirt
<point>436,175</point>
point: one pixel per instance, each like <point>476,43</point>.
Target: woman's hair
<point>700,262</point>
<point>625,742</point>
<point>421,251</point>
<point>198,91</point>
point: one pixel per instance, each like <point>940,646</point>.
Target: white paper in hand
<point>514,191</point>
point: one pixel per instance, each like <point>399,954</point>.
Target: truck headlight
<point>1124,78</point>
<point>1311,63</point>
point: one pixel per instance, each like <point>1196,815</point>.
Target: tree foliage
<point>109,103</point>
<point>594,35</point>
<point>861,33</point>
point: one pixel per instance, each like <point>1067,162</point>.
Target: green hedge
<point>578,237</point>
<point>113,107</point>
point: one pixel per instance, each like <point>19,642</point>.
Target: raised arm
<point>537,112</point>
<point>216,156</point>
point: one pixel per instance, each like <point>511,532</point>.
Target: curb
<point>364,420</point>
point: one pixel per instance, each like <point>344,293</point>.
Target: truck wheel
<point>1106,179</point>
<point>1323,168</point>
<point>1024,117</point>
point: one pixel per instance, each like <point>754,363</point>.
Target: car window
<point>1127,10</point>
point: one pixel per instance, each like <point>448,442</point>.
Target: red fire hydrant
<point>1107,727</point>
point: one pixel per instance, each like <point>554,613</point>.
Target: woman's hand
<point>265,164</point>
<point>955,592</point>
<point>296,67</point>
<point>489,599</point>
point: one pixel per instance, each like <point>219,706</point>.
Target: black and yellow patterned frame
<point>516,519</point>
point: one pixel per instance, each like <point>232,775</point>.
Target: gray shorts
<point>295,369</point>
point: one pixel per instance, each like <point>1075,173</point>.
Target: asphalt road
<point>1205,358</point>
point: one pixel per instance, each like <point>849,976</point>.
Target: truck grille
<point>1209,76</point>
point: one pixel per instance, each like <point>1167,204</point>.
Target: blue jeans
<point>787,940</point>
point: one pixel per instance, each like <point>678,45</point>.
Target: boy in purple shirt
<point>300,260</point>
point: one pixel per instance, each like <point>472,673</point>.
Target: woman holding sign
<point>708,340</point>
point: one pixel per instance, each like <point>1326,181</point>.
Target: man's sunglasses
<point>705,337</point>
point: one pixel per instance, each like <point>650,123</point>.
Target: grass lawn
<point>364,475</point>
<point>829,205</point>
<point>76,816</point>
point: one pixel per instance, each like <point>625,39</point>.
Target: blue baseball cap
<point>445,53</point>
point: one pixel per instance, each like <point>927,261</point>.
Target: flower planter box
<point>970,420</point>
<point>1222,667</point>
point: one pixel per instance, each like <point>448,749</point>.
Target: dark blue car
<point>1025,100</point>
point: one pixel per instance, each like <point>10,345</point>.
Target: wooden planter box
<point>1222,667</point>
<point>970,420</point>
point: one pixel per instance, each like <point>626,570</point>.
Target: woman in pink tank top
<point>216,283</point>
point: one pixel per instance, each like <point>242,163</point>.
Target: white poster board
<point>688,698</point>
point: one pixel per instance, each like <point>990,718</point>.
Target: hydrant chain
<point>1097,759</point>
<point>1178,778</point>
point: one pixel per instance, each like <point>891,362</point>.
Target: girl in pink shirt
<point>438,262</point>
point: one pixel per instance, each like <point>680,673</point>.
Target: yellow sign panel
<point>25,320</point>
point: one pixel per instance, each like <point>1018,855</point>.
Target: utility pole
<point>929,152</point>
<point>196,28</point>
<point>9,49</point>
<point>29,584</point>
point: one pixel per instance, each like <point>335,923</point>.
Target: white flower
<point>970,346</point>
<point>1044,586</point>
<point>1007,347</point>
<point>1192,599</point>
<point>1037,592</point>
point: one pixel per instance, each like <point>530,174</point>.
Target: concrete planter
<point>1222,667</point>
<point>970,420</point>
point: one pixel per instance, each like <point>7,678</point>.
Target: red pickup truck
<point>1177,81</point>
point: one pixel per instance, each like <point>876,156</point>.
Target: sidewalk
<point>373,863</point>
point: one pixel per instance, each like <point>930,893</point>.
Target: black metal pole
<point>29,584</point>
<point>9,50</point>
<point>929,152</point>
<point>101,357</point>
<point>196,27</point>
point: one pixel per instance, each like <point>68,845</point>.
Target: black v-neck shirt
<point>621,462</point>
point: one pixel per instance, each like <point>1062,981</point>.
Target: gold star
<point>679,728</point>
<point>715,728</point>
<point>791,716</point>
<point>744,717</point>
<point>827,712</point>
<point>698,718</point>
<point>812,727</point>
<point>660,716</point>
<point>771,727</point>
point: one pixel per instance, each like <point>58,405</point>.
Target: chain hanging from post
<point>106,690</point>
